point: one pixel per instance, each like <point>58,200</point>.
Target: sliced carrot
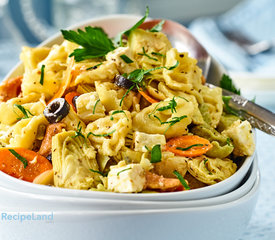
<point>147,97</point>
<point>10,88</point>
<point>66,82</point>
<point>69,98</point>
<point>11,165</point>
<point>188,145</point>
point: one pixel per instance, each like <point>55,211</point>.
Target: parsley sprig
<point>94,42</point>
<point>137,77</point>
<point>227,83</point>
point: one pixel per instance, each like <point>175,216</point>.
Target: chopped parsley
<point>227,83</point>
<point>97,101</point>
<point>116,112</point>
<point>171,105</point>
<point>123,170</point>
<point>42,74</point>
<point>146,55</point>
<point>25,111</point>
<point>95,66</point>
<point>157,54</point>
<point>101,135</point>
<point>137,77</point>
<point>126,59</point>
<point>155,154</point>
<point>127,32</point>
<point>171,122</point>
<point>19,157</point>
<point>78,132</point>
<point>182,180</point>
<point>101,173</point>
<point>189,147</point>
<point>94,42</point>
<point>157,27</point>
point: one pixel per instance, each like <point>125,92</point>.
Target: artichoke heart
<point>72,159</point>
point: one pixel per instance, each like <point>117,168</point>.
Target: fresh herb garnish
<point>126,93</point>
<point>171,105</point>
<point>228,109</point>
<point>25,111</point>
<point>227,83</point>
<point>189,147</point>
<point>95,66</point>
<point>116,112</point>
<point>123,170</point>
<point>171,122</point>
<point>156,154</point>
<point>127,32</point>
<point>101,135</point>
<point>101,173</point>
<point>19,157</point>
<point>157,54</point>
<point>42,74</point>
<point>78,132</point>
<point>94,42</point>
<point>97,101</point>
<point>182,180</point>
<point>146,55</point>
<point>157,27</point>
<point>126,59</point>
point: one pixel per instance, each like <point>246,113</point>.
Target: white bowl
<point>113,25</point>
<point>16,198</point>
<point>224,221</point>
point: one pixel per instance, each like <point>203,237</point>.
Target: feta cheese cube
<point>241,134</point>
<point>149,140</point>
<point>126,178</point>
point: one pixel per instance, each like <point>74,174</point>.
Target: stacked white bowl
<point>215,212</point>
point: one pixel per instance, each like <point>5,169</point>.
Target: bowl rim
<point>221,185</point>
<point>234,195</point>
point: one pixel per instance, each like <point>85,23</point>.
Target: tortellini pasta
<point>150,120</point>
<point>108,134</point>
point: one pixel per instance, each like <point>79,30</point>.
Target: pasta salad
<point>126,115</point>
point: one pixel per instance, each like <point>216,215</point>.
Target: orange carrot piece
<point>147,97</point>
<point>10,88</point>
<point>69,98</point>
<point>11,165</point>
<point>188,145</point>
<point>66,82</point>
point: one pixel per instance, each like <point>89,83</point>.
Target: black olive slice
<point>56,110</point>
<point>123,82</point>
